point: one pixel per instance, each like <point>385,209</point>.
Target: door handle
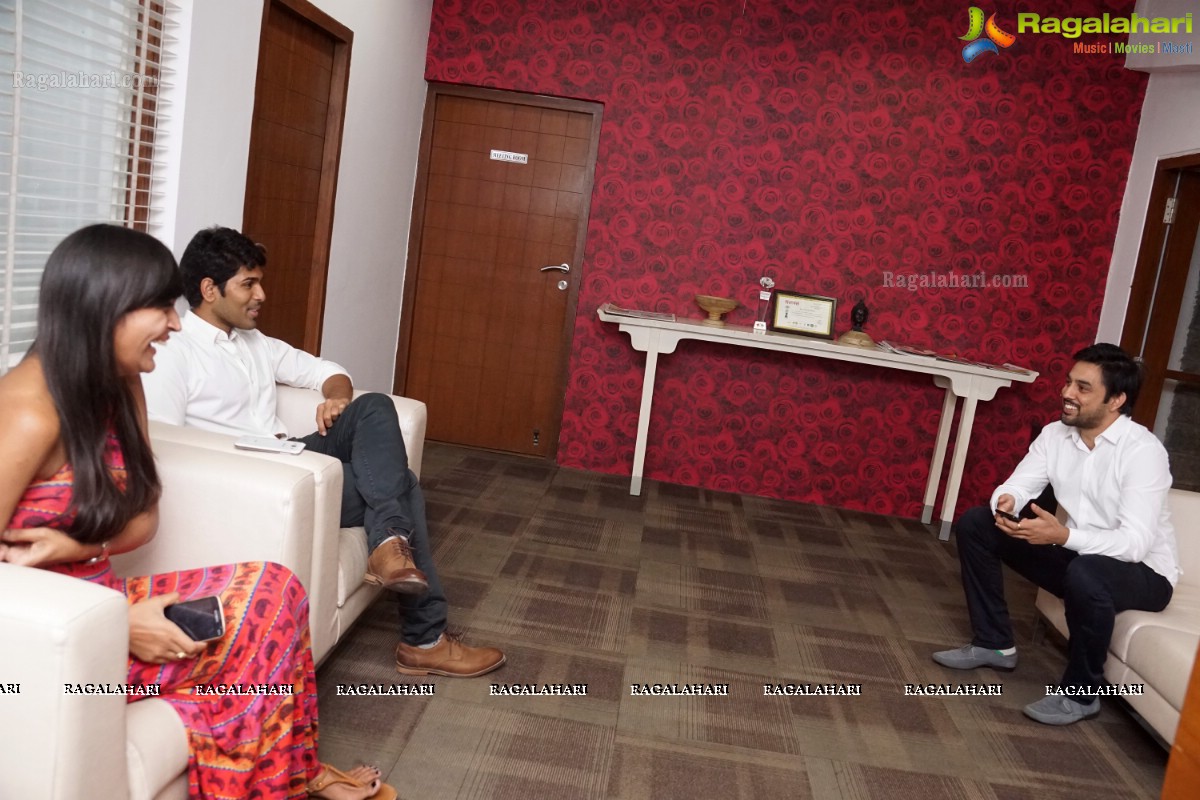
<point>563,267</point>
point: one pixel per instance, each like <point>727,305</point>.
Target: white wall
<point>213,104</point>
<point>210,106</point>
<point>1174,10</point>
<point>1170,126</point>
<point>378,173</point>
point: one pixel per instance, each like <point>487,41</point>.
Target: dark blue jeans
<point>379,491</point>
<point>1093,589</point>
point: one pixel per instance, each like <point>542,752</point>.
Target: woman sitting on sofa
<point>79,484</point>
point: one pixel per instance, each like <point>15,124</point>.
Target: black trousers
<point>1093,589</point>
<point>380,492</point>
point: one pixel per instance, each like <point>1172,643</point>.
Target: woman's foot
<point>332,784</point>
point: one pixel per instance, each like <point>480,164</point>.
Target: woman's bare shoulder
<point>30,435</point>
<point>29,412</point>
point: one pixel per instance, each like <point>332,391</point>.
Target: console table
<point>970,382</point>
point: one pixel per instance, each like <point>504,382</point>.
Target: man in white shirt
<point>219,373</point>
<point>1116,552</point>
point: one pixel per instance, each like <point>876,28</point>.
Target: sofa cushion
<point>1182,614</point>
<point>1163,657</point>
<point>352,562</point>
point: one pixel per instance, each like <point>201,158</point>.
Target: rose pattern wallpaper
<point>828,145</point>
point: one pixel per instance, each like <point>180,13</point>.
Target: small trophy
<point>855,336</point>
<point>764,304</point>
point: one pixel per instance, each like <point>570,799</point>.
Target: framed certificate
<point>809,314</point>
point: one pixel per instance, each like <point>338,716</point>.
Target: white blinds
<point>78,106</point>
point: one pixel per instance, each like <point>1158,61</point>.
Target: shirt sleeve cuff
<point>1076,539</point>
<point>332,369</point>
<point>1018,503</point>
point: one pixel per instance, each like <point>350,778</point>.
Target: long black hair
<point>91,280</point>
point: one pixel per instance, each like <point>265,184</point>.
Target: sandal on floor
<point>331,776</point>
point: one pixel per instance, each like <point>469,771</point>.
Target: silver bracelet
<point>103,556</point>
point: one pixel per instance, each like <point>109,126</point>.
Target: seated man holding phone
<point>1116,552</point>
<point>219,373</point>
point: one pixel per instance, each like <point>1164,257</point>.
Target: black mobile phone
<point>202,619</point>
<point>1008,516</point>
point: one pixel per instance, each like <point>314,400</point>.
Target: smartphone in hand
<point>1008,516</point>
<point>202,619</point>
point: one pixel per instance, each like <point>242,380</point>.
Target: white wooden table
<point>972,383</point>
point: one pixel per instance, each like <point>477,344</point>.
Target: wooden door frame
<point>416,225</point>
<point>1148,283</point>
<point>335,119</point>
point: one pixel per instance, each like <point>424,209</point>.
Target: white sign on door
<point>513,158</point>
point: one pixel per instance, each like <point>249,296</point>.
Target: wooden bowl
<point>716,307</point>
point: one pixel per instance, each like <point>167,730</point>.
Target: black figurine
<point>856,337</point>
<point>858,315</point>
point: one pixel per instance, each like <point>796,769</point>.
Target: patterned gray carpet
<point>580,583</point>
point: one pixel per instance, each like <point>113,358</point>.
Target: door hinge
<point>1169,213</point>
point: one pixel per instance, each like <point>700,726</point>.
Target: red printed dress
<point>241,745</point>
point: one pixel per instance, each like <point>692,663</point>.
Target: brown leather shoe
<point>391,566</point>
<point>449,657</point>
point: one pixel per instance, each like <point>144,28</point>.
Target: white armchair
<point>59,631</point>
<point>219,505</point>
<point>216,507</point>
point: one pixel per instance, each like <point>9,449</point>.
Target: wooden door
<point>501,208</point>
<point>1162,321</point>
<point>295,143</point>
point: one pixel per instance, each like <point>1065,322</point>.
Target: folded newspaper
<point>617,311</point>
<point>950,357</point>
<point>903,349</point>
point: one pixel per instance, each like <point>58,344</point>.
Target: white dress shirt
<point>226,383</point>
<point>1115,495</point>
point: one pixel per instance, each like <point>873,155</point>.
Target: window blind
<point>79,84</point>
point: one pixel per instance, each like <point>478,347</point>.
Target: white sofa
<point>1155,649</point>
<point>333,573</point>
<point>219,505</point>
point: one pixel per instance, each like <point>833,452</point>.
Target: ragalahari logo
<point>996,38</point>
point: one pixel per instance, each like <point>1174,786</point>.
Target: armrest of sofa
<point>218,507</point>
<point>58,631</point>
<point>222,505</point>
<point>297,409</point>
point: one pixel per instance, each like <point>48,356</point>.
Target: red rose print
<point>824,144</point>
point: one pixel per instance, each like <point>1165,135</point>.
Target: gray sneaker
<point>969,657</point>
<point>1056,709</point>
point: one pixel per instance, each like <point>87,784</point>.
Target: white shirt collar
<point>1112,434</point>
<point>1115,432</point>
<point>204,330</point>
